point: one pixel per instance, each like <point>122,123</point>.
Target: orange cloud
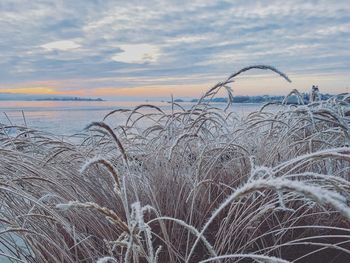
<point>193,90</point>
<point>243,85</point>
<point>152,91</point>
<point>43,91</point>
<point>33,90</point>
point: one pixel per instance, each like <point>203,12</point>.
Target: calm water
<point>70,117</point>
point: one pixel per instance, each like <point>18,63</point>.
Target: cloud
<point>332,30</point>
<point>142,43</point>
<point>62,45</point>
<point>187,39</point>
<point>137,53</point>
<point>29,90</point>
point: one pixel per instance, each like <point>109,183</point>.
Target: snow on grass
<point>193,185</point>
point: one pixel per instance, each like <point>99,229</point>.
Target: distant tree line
<point>262,99</point>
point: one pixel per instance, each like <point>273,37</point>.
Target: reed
<point>189,185</point>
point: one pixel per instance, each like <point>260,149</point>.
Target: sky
<point>155,48</point>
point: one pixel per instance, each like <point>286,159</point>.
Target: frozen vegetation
<point>193,185</point>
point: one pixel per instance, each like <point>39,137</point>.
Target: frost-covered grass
<point>197,185</point>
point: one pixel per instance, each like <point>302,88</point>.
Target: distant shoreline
<point>68,99</point>
<point>26,97</point>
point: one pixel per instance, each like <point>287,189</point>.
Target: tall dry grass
<point>193,185</point>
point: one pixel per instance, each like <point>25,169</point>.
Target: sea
<point>67,118</point>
